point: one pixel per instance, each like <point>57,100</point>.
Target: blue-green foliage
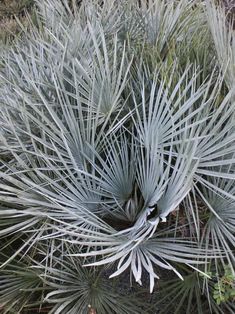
<point>117,152</point>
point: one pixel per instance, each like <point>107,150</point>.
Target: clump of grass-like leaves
<point>117,152</point>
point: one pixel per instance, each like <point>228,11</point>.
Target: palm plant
<point>222,31</point>
<point>117,153</point>
<point>193,295</point>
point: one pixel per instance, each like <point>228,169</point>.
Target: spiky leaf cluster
<point>117,151</point>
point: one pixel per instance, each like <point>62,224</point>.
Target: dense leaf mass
<point>117,152</point>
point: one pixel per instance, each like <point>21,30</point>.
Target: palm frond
<point>224,40</point>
